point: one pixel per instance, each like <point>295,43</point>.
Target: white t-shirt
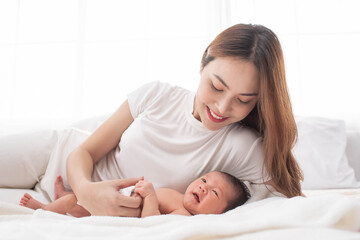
<point>170,148</point>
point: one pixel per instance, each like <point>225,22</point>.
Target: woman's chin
<point>212,126</point>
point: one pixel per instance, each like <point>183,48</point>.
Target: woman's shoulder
<point>154,94</point>
<point>243,133</point>
<point>245,145</point>
<point>158,89</point>
<point>242,139</point>
<point>170,90</point>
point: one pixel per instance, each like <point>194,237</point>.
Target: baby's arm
<point>150,201</point>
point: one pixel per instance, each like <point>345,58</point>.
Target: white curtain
<point>65,60</point>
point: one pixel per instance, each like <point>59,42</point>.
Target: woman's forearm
<point>97,145</point>
<point>79,170</point>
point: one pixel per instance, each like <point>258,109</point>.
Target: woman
<point>240,121</point>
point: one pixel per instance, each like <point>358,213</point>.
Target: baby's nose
<point>203,189</point>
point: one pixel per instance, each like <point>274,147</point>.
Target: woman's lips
<point>214,117</point>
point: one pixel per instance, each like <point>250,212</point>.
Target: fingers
<point>123,183</point>
<point>104,198</point>
<point>120,211</point>
<point>143,183</point>
<point>129,202</point>
<point>144,188</point>
<point>113,203</point>
<point>129,212</point>
<point>121,205</point>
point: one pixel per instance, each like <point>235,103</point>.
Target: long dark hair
<point>272,117</point>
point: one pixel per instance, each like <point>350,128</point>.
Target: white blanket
<point>329,216</point>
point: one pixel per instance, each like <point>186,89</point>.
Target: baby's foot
<point>59,187</point>
<point>28,201</point>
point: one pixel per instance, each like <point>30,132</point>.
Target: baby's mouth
<point>196,197</point>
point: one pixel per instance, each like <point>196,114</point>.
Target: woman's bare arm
<point>102,198</point>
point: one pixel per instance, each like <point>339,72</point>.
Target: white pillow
<point>353,151</point>
<point>320,152</point>
<point>24,157</point>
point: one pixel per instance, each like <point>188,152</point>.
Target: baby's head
<point>214,193</point>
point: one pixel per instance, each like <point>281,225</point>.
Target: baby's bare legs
<point>28,201</point>
<point>65,202</point>
<point>63,205</point>
<point>59,188</point>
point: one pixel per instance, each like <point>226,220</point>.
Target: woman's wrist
<point>82,189</point>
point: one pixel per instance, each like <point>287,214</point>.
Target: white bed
<point>328,152</point>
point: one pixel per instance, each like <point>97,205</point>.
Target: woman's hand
<point>104,198</point>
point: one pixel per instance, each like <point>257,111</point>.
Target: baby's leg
<point>28,201</point>
<point>59,188</point>
<point>65,204</point>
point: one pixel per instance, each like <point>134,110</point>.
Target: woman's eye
<point>204,180</point>
<point>241,101</point>
<point>216,89</point>
<point>215,193</point>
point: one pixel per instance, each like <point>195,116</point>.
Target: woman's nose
<point>223,105</point>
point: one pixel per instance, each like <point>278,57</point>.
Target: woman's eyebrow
<point>225,85</point>
<point>221,80</point>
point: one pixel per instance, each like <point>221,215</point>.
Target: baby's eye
<point>203,179</point>
<point>215,192</point>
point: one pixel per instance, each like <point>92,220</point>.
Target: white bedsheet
<point>327,216</point>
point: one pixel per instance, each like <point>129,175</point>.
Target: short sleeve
<point>145,96</point>
<point>253,168</point>
<point>256,158</point>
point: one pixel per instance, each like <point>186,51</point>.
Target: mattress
<point>324,214</point>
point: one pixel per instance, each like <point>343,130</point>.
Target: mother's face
<point>227,92</point>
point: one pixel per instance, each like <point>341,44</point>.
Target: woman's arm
<point>102,198</point>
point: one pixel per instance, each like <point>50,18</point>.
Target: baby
<point>214,193</point>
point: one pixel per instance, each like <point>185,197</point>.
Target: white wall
<point>320,39</point>
<point>65,60</point>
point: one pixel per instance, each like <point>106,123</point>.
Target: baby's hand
<point>145,189</point>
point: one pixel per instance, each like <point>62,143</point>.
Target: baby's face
<point>209,194</point>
